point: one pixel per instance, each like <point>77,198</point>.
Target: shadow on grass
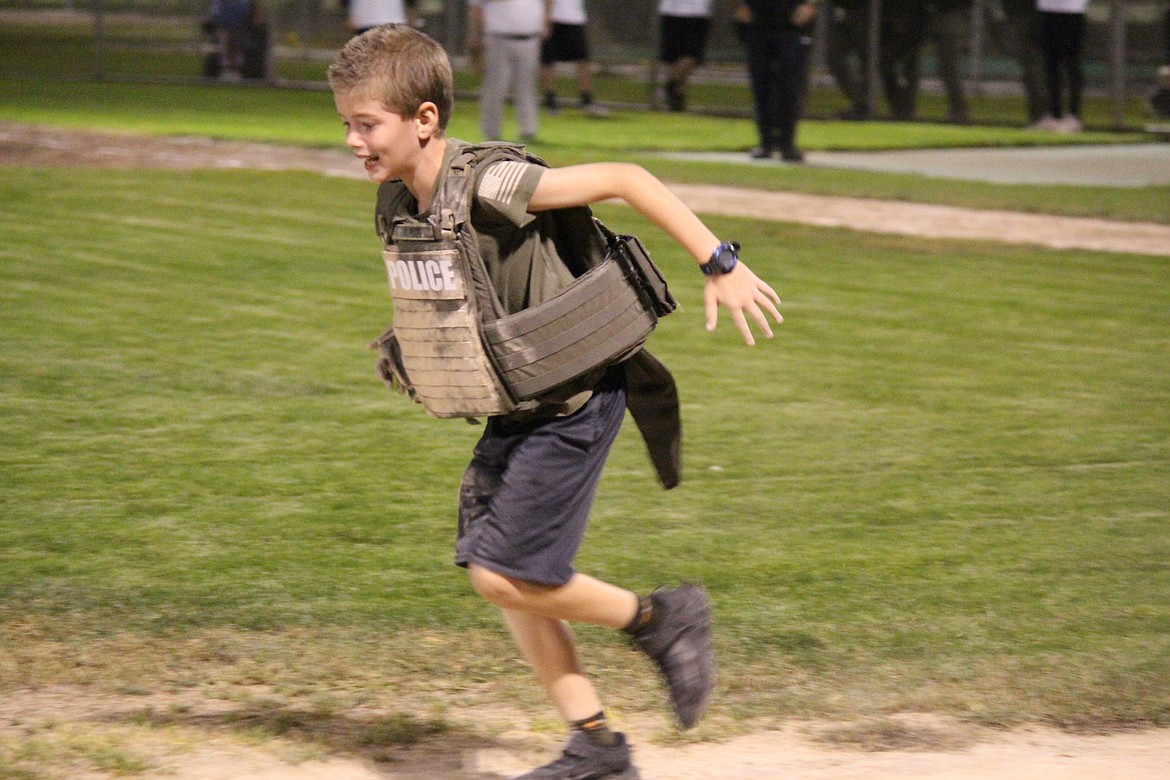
<point>410,746</point>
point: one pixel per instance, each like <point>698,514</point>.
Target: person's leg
<point>672,627</point>
<point>523,509</point>
<point>949,40</point>
<point>526,67</point>
<point>759,74</point>
<point>894,71</point>
<point>550,55</point>
<point>790,79</point>
<point>1050,50</point>
<point>1026,34</point>
<point>681,71</point>
<point>1076,73</point>
<point>912,69</point>
<point>582,599</point>
<point>548,85</point>
<point>494,89</point>
<point>676,82</point>
<point>546,644</point>
<point>585,80</point>
<point>839,57</point>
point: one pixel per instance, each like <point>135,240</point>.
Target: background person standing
<point>947,31</point>
<point>683,29</point>
<point>1062,35</point>
<point>1021,24</point>
<point>506,36</point>
<point>903,30</point>
<point>847,54</point>
<point>568,41</point>
<point>778,37</point>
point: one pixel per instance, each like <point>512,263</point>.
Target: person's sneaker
<point>679,641</point>
<point>791,154</point>
<point>1048,123</point>
<point>594,110</point>
<point>583,760</point>
<point>760,153</point>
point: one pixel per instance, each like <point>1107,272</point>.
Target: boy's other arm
<point>741,291</point>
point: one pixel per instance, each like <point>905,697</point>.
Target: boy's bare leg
<point>548,647</point>
<point>675,632</point>
<point>582,599</point>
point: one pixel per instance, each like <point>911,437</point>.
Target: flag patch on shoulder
<point>501,179</point>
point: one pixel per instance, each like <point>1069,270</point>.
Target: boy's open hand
<point>741,291</point>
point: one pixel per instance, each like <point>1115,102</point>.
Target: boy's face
<point>387,143</point>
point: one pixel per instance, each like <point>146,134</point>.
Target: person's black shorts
<point>525,498</point>
<point>682,36</point>
<point>565,43</point>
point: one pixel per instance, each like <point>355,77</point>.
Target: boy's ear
<point>427,117</point>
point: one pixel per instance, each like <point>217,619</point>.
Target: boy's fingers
<point>771,307</point>
<point>712,303</point>
<point>741,323</point>
<point>761,320</point>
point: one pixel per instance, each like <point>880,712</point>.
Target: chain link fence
<point>165,40</point>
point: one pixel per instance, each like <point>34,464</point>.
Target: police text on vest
<point>424,275</point>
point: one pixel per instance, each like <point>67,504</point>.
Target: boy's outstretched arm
<point>740,291</point>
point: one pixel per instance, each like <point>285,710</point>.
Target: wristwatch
<point>723,258</point>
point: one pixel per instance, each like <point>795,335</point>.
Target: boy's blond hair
<point>399,67</point>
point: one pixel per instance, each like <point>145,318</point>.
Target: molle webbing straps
<point>596,320</point>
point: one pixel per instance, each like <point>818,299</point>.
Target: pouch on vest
<point>602,317</point>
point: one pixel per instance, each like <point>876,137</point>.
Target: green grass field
<point>942,487</point>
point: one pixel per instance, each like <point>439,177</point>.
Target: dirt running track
<point>784,755</point>
<point>947,751</point>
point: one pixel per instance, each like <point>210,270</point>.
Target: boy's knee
<point>493,587</point>
<point>499,589</point>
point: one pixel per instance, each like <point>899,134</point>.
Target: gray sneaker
<point>583,760</point>
<point>679,641</point>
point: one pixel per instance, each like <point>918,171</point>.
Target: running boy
<point>526,495</point>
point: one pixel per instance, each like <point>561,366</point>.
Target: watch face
<point>726,260</point>
<point>722,260</point>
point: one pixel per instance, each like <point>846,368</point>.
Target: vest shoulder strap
<point>392,196</point>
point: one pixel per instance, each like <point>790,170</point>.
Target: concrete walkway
<point>1118,165</point>
<point>1115,165</point>
<point>1106,165</point>
<point>920,219</point>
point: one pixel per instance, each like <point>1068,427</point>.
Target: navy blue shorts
<point>525,498</point>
